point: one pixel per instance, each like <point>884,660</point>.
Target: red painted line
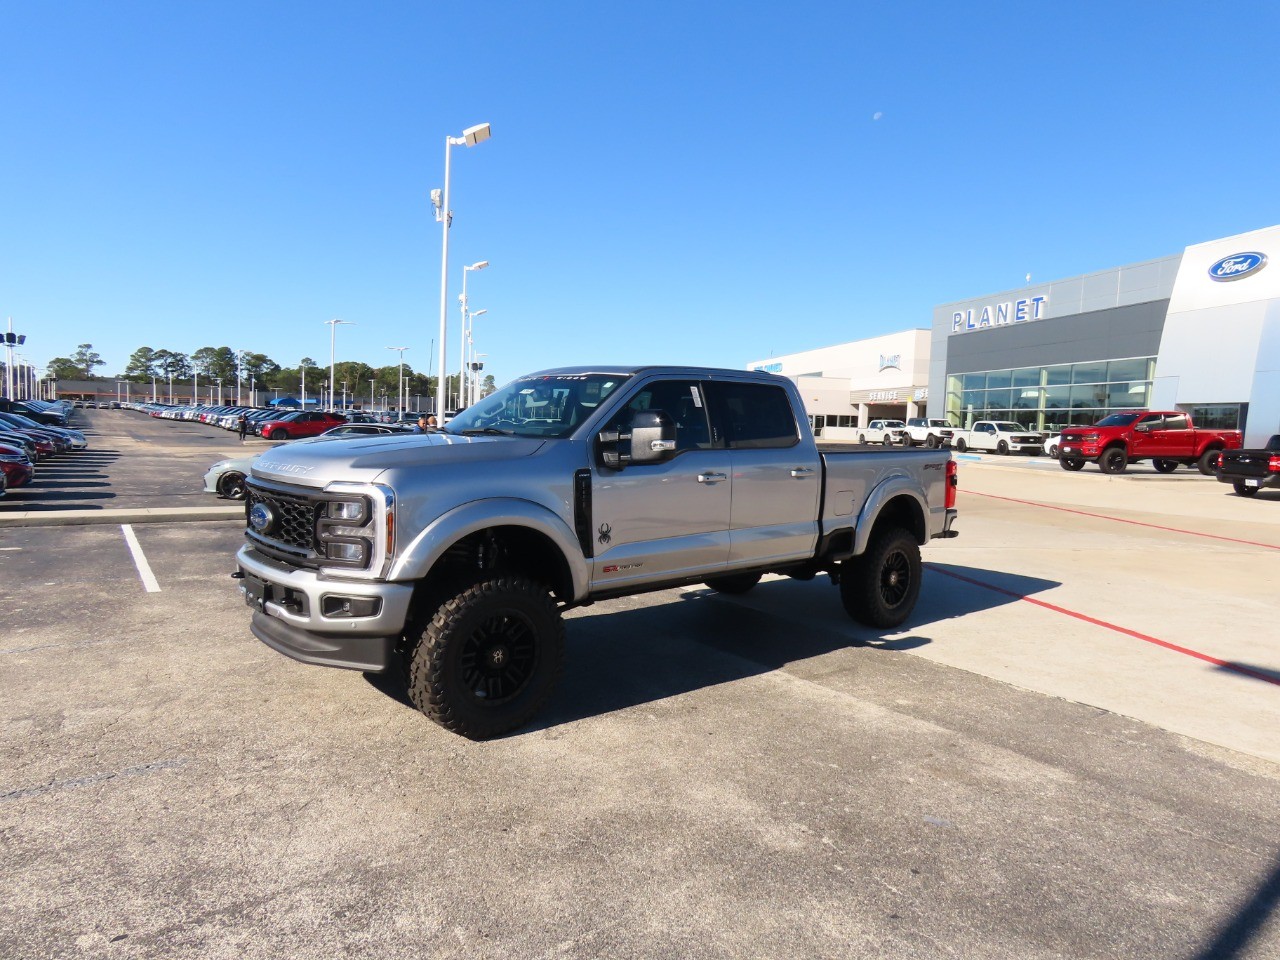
<point>1224,664</point>
<point>1136,523</point>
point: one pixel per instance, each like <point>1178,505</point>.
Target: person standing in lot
<point>244,426</point>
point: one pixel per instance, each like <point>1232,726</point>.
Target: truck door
<point>1175,437</point>
<point>1147,439</point>
<point>984,436</point>
<point>777,478</point>
<point>657,521</point>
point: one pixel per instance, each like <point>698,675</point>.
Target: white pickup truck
<point>999,436</point>
<point>452,555</point>
<point>883,431</point>
<point>931,432</point>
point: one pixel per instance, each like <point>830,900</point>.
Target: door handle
<point>712,477</point>
<point>801,472</point>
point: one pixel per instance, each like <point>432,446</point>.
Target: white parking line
<point>140,559</point>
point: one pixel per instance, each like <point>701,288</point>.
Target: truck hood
<point>317,461</point>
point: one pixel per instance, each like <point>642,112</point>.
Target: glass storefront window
<point>973,381</point>
<point>1220,416</point>
<point>999,398</point>
<point>1089,372</point>
<point>1027,377</point>
<point>1127,370</point>
<point>1057,398</point>
<point>1122,395</point>
<point>999,378</point>
<point>1054,376</point>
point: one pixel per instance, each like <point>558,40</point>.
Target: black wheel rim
<point>895,578</point>
<point>498,659</point>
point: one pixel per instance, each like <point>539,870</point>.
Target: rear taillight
<point>953,482</point>
<point>1273,465</point>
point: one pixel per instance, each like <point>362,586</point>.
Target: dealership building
<point>1198,331</point>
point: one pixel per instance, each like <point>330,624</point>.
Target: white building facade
<point>851,384</point>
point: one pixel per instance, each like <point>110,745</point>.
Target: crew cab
<point>999,436</point>
<point>1165,437</point>
<point>883,431</point>
<point>929,432</point>
<point>451,555</point>
<point>1248,471</point>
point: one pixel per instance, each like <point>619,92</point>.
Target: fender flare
<point>418,557</point>
<point>894,485</point>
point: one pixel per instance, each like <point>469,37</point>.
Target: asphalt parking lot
<point>1070,750</point>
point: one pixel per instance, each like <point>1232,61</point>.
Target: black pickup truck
<point>1251,470</point>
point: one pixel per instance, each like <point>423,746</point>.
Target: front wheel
<point>1243,491</point>
<point>931,442</point>
<point>1069,463</point>
<point>1208,462</point>
<point>961,446</point>
<point>1053,450</point>
<point>488,658</point>
<point>879,588</point>
<point>1002,448</point>
<point>231,486</point>
<point>733,582</point>
<point>862,438</point>
<point>280,434</point>
<point>1113,460</point>
<point>1165,466</point>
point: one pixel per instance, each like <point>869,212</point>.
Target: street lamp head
<point>478,313</point>
<point>477,134</point>
<point>478,265</point>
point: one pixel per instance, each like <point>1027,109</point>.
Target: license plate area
<point>1253,482</point>
<point>256,592</point>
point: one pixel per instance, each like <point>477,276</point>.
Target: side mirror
<point>651,439</point>
<point>1142,427</point>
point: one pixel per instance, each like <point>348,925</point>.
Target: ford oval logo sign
<point>261,518</point>
<point>1237,266</point>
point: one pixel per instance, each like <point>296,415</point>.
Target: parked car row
<point>25,441</point>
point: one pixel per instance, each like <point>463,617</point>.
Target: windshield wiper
<point>485,431</point>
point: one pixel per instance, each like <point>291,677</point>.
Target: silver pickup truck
<point>453,554</point>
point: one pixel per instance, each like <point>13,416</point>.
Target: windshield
<point>542,406</point>
<point>1006,427</point>
<point>1118,420</point>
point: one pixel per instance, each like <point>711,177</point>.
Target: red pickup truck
<point>1165,437</point>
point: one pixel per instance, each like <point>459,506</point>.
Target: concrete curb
<point>68,518</point>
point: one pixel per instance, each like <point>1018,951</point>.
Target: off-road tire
<point>1208,462</point>
<point>488,657</point>
<point>231,485</point>
<point>932,442</point>
<point>1164,466</point>
<point>733,582</point>
<point>1113,460</point>
<point>880,587</point>
<point>1070,463</point>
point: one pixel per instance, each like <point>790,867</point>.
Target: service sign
<point>1237,266</point>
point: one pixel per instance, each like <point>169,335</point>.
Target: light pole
<point>344,394</point>
<point>253,391</point>
<point>470,136</point>
<point>153,388</point>
<point>400,379</point>
<point>470,349</point>
<point>239,373</point>
<point>195,386</point>
<point>333,329</point>
<point>219,379</point>
<point>170,387</point>
<point>302,368</point>
<point>477,366</point>
<point>10,339</point>
<point>373,397</point>
<point>462,330</point>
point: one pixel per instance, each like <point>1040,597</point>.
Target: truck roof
<point>617,370</point>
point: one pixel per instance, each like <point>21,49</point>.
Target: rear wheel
<point>879,588</point>
<point>1069,463</point>
<point>734,582</point>
<point>1208,462</point>
<point>488,658</point>
<point>279,434</point>
<point>1113,460</point>
<point>1243,491</point>
<point>1165,466</point>
<point>961,446</point>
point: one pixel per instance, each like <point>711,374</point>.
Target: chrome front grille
<point>292,527</point>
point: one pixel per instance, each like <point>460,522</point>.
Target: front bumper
<point>290,614</point>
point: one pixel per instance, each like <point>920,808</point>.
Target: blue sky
<point>666,182</point>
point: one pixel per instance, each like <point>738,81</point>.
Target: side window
<point>754,416</point>
<point>1176,423</point>
<point>1152,420</point>
<point>682,401</point>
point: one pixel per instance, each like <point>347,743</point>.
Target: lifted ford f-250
<point>454,553</point>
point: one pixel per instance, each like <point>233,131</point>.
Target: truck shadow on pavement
<point>638,650</point>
